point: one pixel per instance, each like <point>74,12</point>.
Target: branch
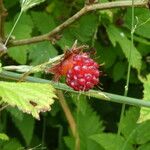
<point>87,8</point>
<point>3,14</point>
<point>91,93</point>
<point>70,118</point>
<point>67,112</point>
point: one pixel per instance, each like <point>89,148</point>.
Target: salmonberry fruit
<point>84,74</point>
<point>80,70</point>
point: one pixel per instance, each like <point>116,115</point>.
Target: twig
<point>70,118</point>
<point>13,28</point>
<point>67,112</point>
<point>84,10</point>
<point>92,93</point>
<point>129,69</point>
<point>3,14</point>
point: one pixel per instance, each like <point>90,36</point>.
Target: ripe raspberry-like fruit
<point>80,70</point>
<point>84,74</point>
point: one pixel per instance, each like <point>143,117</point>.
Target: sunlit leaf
<point>4,137</point>
<point>145,112</point>
<point>31,98</point>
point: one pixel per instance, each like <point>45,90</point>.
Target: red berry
<point>84,74</point>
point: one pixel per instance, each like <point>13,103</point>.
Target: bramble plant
<point>59,60</point>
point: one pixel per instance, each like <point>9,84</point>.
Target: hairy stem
<point>67,112</point>
<point>84,10</point>
<point>3,14</point>
<point>70,118</point>
<point>92,93</point>
<point>13,28</point>
<point>129,69</point>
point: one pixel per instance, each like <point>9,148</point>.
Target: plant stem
<point>129,69</point>
<point>70,118</point>
<point>43,131</point>
<point>13,28</point>
<point>3,14</point>
<point>83,11</point>
<point>67,112</point>
<point>92,93</point>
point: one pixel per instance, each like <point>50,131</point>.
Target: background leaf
<point>43,26</point>
<point>143,21</point>
<point>129,122</point>
<point>23,30</point>
<point>85,113</point>
<point>110,141</point>
<point>26,127</point>
<point>115,35</point>
<point>12,144</point>
<point>41,52</point>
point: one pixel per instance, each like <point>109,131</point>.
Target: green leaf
<point>12,144</point>
<point>116,35</point>
<point>15,113</point>
<point>19,54</point>
<point>142,135</point>
<point>83,30</point>
<point>103,52</point>
<point>27,4</point>
<point>110,141</point>
<point>69,141</point>
<point>41,52</point>
<point>144,147</point>
<point>43,26</point>
<point>26,127</point>
<point>139,134</point>
<point>67,39</point>
<point>10,4</point>
<point>145,112</point>
<point>143,22</point>
<point>129,122</point>
<point>88,124</point>
<point>23,30</point>
<point>119,70</point>
<point>31,98</point>
<point>4,137</point>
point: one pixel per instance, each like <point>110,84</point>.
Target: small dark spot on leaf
<point>33,103</point>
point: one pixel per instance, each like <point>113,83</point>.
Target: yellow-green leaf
<point>145,112</point>
<point>31,98</point>
<point>4,137</point>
